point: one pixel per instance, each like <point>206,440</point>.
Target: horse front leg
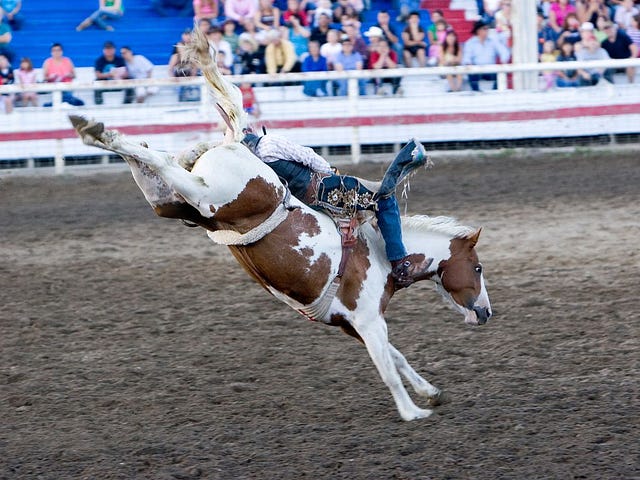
<point>374,336</point>
<point>419,384</point>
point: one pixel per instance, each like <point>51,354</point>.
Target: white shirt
<point>272,148</point>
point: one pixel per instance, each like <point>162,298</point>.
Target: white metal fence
<point>38,136</point>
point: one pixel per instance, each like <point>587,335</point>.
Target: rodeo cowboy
<point>311,179</point>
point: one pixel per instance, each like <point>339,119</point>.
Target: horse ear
<point>473,238</point>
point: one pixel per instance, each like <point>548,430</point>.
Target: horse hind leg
<point>419,384</point>
<point>374,336</point>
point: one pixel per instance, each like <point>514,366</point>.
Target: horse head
<point>460,280</point>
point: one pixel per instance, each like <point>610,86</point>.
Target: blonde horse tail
<point>227,96</point>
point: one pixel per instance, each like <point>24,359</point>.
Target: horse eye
<point>478,268</point>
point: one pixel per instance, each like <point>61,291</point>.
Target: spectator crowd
<point>280,36</point>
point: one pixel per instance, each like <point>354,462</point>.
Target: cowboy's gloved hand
<point>335,170</point>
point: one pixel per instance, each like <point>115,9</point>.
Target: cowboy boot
<point>410,269</point>
<point>412,156</point>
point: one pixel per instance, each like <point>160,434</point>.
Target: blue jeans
<point>312,86</point>
<point>99,16</point>
<point>343,87</point>
<point>474,80</point>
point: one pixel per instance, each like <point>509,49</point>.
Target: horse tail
<point>227,96</point>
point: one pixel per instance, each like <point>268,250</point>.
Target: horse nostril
<point>483,314</point>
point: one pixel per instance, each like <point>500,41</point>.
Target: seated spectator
<point>634,31</point>
<point>206,10</point>
<point>349,59</point>
<point>432,31</point>
<point>451,56</point>
<point>481,49</point>
<point>221,63</point>
<point>323,7</point>
<point>107,10</point>
<point>332,48</point>
<point>299,36</point>
<point>570,30</point>
<point>547,56</point>
<point>625,11</point>
<point>108,67</point>
<point>294,9</point>
<point>489,9</point>
<point>375,35</point>
<point>618,45</point>
<point>383,20</point>
<point>345,7</point>
<point>567,78</point>
<point>383,58</point>
<point>5,40</point>
<point>503,23</point>
<point>350,16</point>
<point>230,36</point>
<point>218,44</point>
<point>240,11</point>
<point>139,66</point>
<point>405,7</point>
<point>204,25</point>
<point>435,49</point>
<point>558,12</point>
<point>183,8</point>
<point>414,40</point>
<point>58,68</point>
<point>319,33</point>
<point>267,16</point>
<point>589,10</point>
<point>591,50</point>
<point>12,15</point>
<point>6,78</point>
<point>352,32</point>
<point>314,62</point>
<point>251,55</point>
<point>280,56</point>
<point>26,75</point>
<point>545,32</point>
<point>181,65</point>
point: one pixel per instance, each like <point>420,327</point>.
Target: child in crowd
<point>435,49</point>
<point>567,78</point>
<point>27,76</point>
<point>548,55</point>
<point>249,100</point>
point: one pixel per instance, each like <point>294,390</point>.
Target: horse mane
<point>227,96</point>
<point>444,225</point>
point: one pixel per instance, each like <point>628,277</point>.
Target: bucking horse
<point>296,252</point>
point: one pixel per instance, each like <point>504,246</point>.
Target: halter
<point>231,237</point>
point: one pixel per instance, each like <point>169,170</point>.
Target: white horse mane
<point>444,225</point>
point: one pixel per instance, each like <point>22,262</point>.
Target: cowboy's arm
<point>280,148</point>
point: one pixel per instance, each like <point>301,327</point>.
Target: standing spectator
<point>381,59</point>
<point>624,13</point>
<point>107,10</point>
<point>6,78</point>
<point>279,56</point>
<point>618,45</point>
<point>184,8</point>
<point>58,68</point>
<point>451,56</point>
<point>567,78</point>
<point>483,50</point>
<point>12,13</point>
<point>108,67</point>
<point>558,12</point>
<point>240,11</point>
<point>251,55</point>
<point>319,33</point>
<point>139,66</point>
<point>26,75</point>
<point>591,50</point>
<point>206,9</point>
<point>219,44</point>
<point>314,62</point>
<point>267,16</point>
<point>349,59</point>
<point>383,20</point>
<point>249,100</point>
<point>413,38</point>
<point>5,40</point>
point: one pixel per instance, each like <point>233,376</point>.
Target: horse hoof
<point>78,122</point>
<point>94,129</point>
<point>438,399</point>
<point>416,414</point>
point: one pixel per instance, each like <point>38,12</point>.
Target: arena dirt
<point>134,348</point>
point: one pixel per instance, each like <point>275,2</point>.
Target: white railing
<point>49,126</point>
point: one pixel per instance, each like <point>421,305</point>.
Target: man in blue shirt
<point>483,50</point>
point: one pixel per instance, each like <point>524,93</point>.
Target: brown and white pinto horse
<point>293,251</point>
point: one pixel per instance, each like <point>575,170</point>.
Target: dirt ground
<point>131,347</point>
